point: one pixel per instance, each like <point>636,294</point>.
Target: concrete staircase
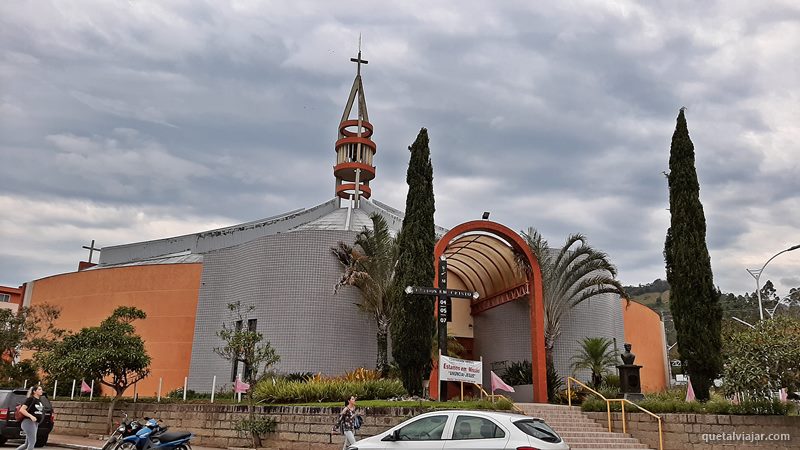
<point>577,429</point>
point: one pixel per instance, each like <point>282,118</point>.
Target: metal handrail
<point>622,402</point>
<point>571,380</point>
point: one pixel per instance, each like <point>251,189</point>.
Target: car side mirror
<point>394,436</point>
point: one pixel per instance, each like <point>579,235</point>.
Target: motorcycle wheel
<point>110,444</point>
<point>125,446</point>
<point>184,447</point>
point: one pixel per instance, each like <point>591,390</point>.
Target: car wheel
<point>3,440</point>
<point>42,441</point>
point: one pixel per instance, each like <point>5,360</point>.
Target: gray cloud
<point>124,121</point>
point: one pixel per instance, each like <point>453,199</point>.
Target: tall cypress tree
<point>413,323</point>
<point>694,302</point>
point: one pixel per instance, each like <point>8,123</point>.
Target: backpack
<point>18,416</point>
<point>357,422</point>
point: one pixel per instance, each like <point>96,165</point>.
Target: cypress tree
<point>413,322</point>
<point>694,301</point>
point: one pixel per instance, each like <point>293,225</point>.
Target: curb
<point>73,446</point>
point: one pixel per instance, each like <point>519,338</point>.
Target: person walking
<point>346,424</point>
<point>33,412</point>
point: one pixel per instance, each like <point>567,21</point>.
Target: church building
<point>283,267</point>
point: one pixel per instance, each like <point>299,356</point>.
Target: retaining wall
<point>709,431</point>
<point>298,427</point>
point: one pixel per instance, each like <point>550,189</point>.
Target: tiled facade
<point>503,333</point>
<point>290,279</point>
<point>597,317</point>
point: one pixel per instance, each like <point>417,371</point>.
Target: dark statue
<point>627,356</point>
<point>630,383</point>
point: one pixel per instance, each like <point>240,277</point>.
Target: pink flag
<point>783,395</point>
<point>85,388</point>
<point>240,386</point>
<point>689,390</point>
<point>498,383</point>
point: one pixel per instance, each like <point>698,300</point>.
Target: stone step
<point>578,430</point>
<point>581,434</point>
<point>604,445</point>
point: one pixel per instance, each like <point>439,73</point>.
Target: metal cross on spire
<point>358,60</point>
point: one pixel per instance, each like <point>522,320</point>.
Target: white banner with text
<point>454,369</point>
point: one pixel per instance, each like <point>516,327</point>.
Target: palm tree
<point>596,355</point>
<point>370,266</point>
<point>570,275</point>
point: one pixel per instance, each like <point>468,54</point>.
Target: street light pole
<point>756,273</point>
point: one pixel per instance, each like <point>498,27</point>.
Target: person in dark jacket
<point>346,422</point>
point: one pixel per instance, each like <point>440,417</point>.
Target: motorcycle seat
<point>171,436</point>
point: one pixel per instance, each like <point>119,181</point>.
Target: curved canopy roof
<point>484,262</point>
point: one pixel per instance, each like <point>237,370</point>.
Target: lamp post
<point>756,273</point>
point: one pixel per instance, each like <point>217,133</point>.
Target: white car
<point>487,430</point>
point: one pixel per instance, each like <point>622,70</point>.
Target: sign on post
<point>464,370</point>
<point>444,309</point>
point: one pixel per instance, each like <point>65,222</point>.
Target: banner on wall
<point>454,369</point>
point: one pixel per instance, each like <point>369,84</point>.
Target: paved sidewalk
<point>86,443</point>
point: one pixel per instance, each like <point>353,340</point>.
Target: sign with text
<point>454,369</point>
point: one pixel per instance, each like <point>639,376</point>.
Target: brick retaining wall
<point>298,427</point>
<point>686,431</point>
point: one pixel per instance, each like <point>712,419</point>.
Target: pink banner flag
<point>240,386</point>
<point>783,395</point>
<point>689,390</point>
<point>85,389</point>
<point>498,383</point>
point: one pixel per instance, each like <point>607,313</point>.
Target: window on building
<point>235,362</point>
<point>5,297</point>
<point>251,325</point>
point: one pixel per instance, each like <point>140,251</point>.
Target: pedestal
<point>630,383</point>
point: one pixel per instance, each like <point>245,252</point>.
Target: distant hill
<point>657,286</point>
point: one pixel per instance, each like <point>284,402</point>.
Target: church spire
<point>355,149</point>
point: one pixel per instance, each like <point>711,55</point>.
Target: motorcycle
<point>153,436</point>
<point>126,428</point>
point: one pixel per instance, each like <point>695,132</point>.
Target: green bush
<point>518,373</point>
<point>714,406</point>
<point>298,376</point>
<point>283,391</point>
<point>611,381</point>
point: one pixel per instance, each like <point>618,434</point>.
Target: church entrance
<point>506,323</point>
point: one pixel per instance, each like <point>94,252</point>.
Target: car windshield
<point>538,429</point>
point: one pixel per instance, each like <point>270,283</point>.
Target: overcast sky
<point>130,120</point>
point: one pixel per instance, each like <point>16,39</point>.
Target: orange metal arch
<point>535,298</point>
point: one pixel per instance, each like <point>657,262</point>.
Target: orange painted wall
<point>643,332</point>
<point>167,293</point>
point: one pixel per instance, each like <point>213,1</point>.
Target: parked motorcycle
<point>153,436</point>
<point>126,428</point>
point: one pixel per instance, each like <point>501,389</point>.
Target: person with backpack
<point>32,412</point>
<point>348,422</point>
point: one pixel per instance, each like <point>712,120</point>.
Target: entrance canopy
<point>483,256</point>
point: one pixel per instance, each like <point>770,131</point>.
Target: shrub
<point>714,406</point>
<point>611,381</point>
<point>518,373</point>
<point>555,383</point>
<point>361,374</point>
<point>282,391</point>
<point>299,376</point>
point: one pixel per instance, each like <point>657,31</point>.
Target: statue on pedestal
<point>630,383</point>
